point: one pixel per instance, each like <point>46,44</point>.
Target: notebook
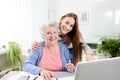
<point>104,69</point>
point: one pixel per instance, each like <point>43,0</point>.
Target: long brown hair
<point>74,36</point>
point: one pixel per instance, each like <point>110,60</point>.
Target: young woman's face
<point>66,25</point>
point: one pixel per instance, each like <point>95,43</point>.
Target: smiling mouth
<point>65,30</point>
<point>52,39</point>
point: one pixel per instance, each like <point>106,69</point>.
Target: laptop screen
<point>104,69</point>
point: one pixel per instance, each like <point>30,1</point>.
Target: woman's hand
<point>70,66</point>
<point>46,74</point>
<point>89,57</point>
<point>35,45</point>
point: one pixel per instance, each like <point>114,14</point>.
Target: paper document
<point>27,76</point>
<point>23,75</point>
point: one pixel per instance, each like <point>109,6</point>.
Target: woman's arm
<point>87,49</point>
<point>30,64</point>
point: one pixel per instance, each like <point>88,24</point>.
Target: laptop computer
<point>104,69</point>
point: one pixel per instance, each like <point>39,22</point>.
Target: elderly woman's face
<point>51,35</point>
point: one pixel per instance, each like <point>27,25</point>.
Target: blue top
<point>31,63</point>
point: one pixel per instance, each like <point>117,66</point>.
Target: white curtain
<point>20,21</point>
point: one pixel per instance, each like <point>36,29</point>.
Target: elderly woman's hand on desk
<point>46,74</point>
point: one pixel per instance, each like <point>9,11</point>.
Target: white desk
<point>58,75</point>
<point>10,74</point>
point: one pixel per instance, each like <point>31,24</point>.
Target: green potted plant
<point>110,45</point>
<point>13,57</point>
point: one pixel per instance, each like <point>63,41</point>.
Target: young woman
<point>71,36</point>
<point>51,56</point>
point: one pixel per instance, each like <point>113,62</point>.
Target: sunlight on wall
<point>7,20</point>
<point>117,16</point>
<point>20,21</point>
<point>107,18</point>
<point>109,14</point>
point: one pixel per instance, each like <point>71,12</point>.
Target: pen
<point>35,78</point>
<point>28,78</point>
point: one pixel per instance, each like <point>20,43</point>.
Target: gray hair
<point>47,24</point>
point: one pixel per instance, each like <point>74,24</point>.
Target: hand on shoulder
<point>35,45</point>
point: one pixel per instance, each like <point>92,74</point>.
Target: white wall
<point>107,18</point>
<point>20,20</point>
<point>94,30</point>
<point>53,8</point>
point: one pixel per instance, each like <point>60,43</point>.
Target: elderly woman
<point>51,56</point>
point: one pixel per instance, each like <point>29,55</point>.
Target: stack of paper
<point>22,75</point>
